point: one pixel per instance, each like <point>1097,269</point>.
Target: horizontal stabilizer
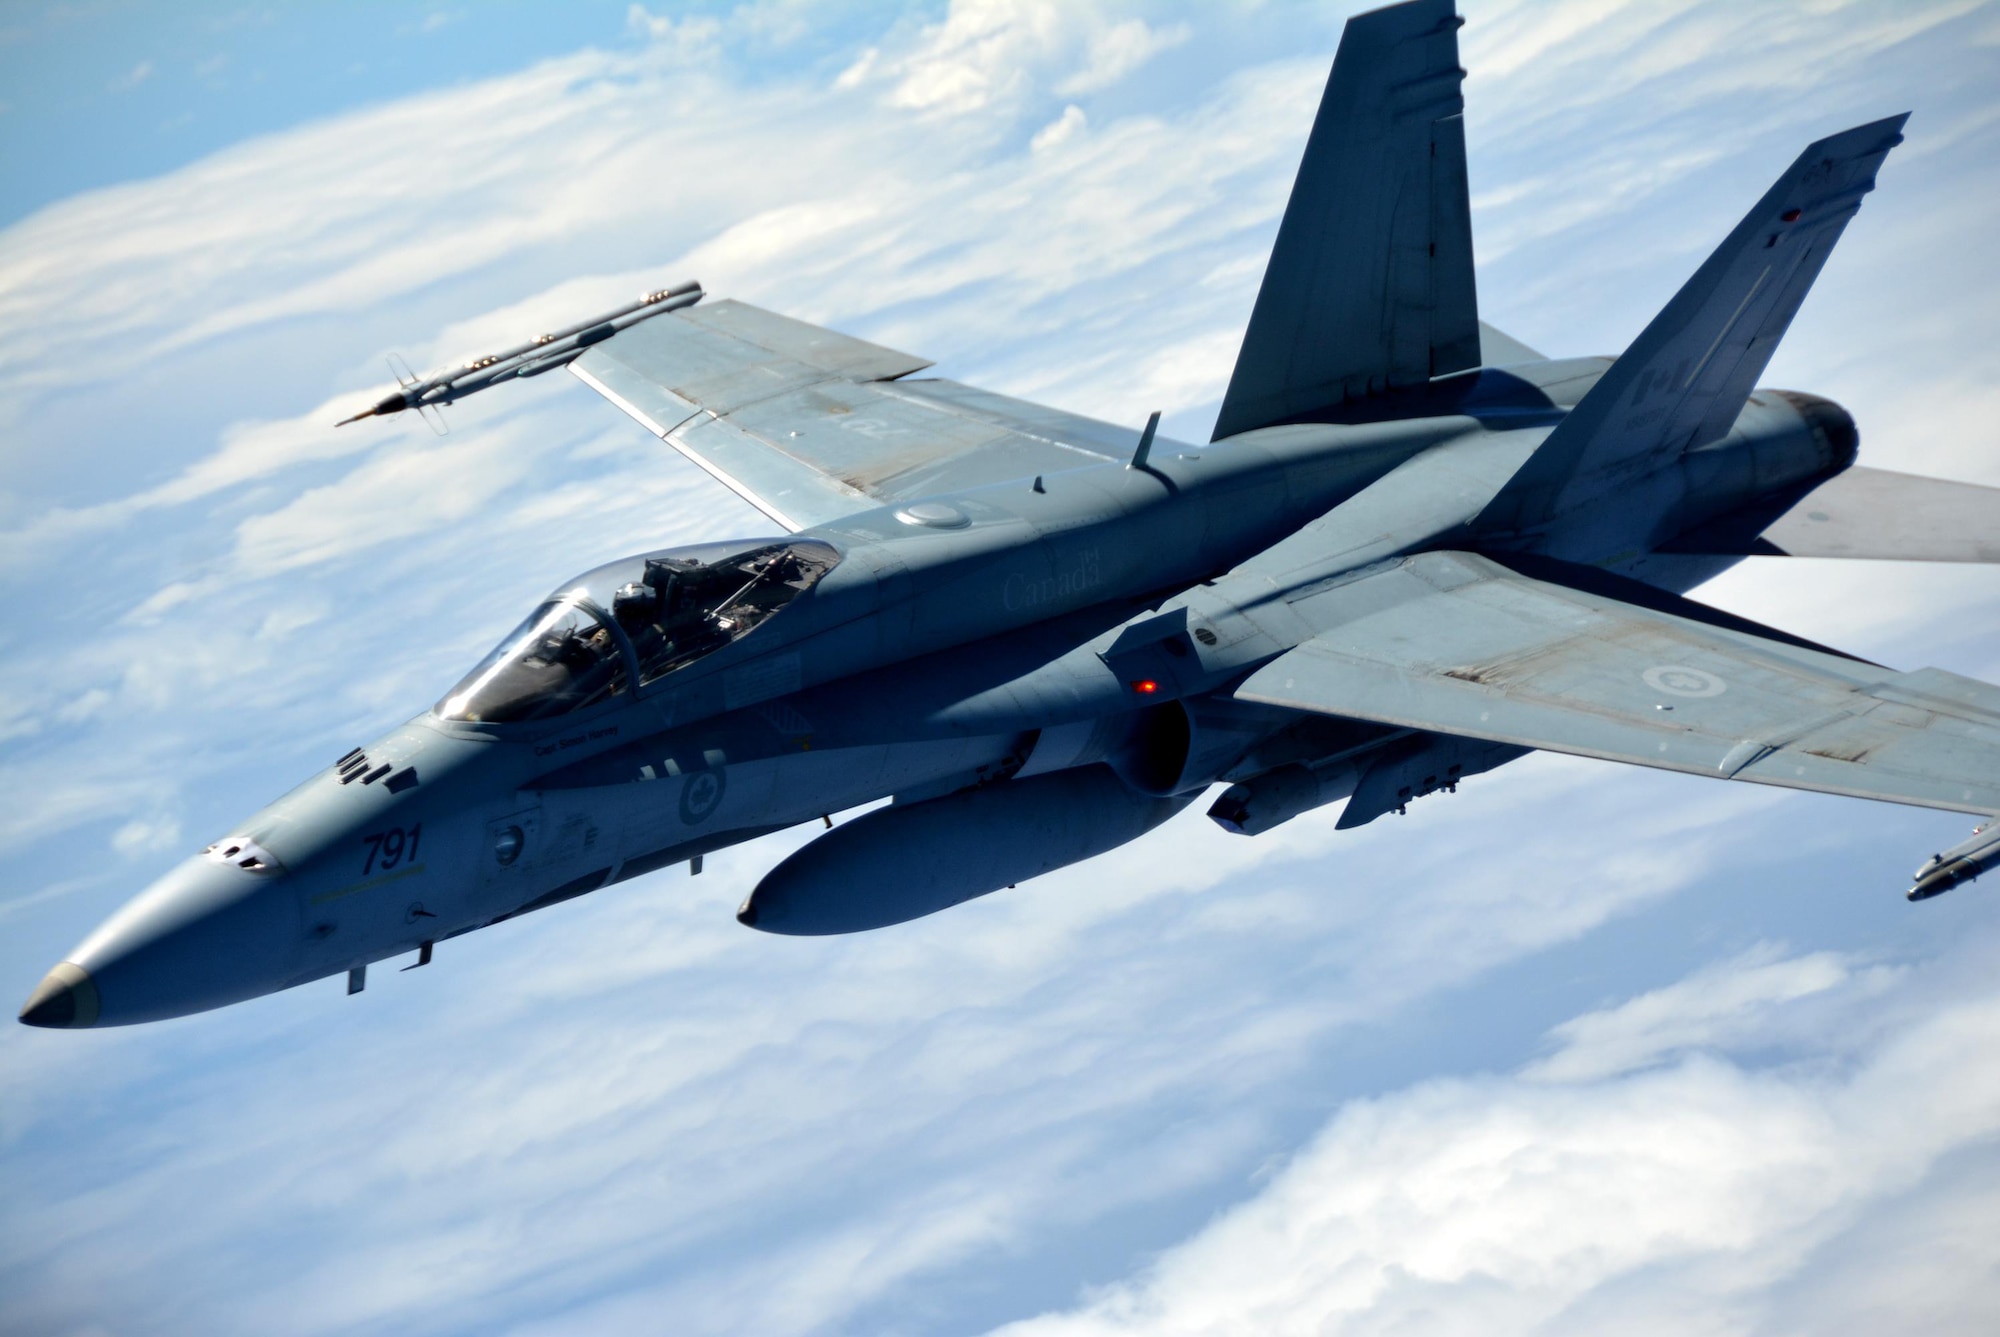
<point>1500,349</point>
<point>1863,513</point>
<point>1369,287</point>
<point>1458,644</point>
<point>1685,379</point>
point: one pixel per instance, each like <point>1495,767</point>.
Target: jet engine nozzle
<point>1832,427</point>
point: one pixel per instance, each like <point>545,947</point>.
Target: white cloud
<point>1060,130</point>
<point>697,31</point>
<point>1711,1006</point>
<point>984,49</point>
<point>130,80</point>
<point>146,836</point>
<point>1666,1200</point>
<point>395,495</point>
<point>1595,76</point>
<point>1117,51</point>
<point>988,52</point>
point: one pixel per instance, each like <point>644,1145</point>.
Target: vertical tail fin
<point>1686,377</point>
<point>1369,286</point>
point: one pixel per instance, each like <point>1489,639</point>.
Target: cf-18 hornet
<point>1413,551</point>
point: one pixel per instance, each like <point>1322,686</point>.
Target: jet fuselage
<point>965,639</point>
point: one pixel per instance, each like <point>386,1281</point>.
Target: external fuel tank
<point>909,860</point>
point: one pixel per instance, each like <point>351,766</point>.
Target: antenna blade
<point>1145,442</point>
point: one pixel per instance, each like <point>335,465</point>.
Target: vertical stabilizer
<point>1369,286</point>
<point>1684,380</point>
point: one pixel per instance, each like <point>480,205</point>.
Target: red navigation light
<point>1145,687</point>
<point>1789,216</point>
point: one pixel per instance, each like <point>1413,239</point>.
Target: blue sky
<point>1576,1049</point>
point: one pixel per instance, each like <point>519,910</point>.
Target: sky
<point>1578,1049</point>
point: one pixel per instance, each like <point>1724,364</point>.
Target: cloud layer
<point>1576,1049</point>
<point>1595,1192</point>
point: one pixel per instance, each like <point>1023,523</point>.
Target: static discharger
<point>544,352</point>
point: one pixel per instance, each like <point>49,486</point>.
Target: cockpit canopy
<point>641,618</point>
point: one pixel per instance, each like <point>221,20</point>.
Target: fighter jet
<point>1414,550</point>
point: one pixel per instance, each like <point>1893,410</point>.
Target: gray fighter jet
<point>1414,550</point>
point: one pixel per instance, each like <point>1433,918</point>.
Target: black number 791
<point>388,848</point>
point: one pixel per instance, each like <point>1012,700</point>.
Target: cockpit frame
<point>684,605</point>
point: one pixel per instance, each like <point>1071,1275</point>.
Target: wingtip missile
<point>1959,864</point>
<point>544,352</point>
<point>395,403</point>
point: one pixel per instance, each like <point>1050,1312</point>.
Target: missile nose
<point>66,998</point>
<point>1936,879</point>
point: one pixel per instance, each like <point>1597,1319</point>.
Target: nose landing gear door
<point>511,845</point>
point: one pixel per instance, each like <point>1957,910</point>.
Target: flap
<point>1458,644</point>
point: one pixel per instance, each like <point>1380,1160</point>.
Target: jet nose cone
<point>203,936</point>
<point>66,998</point>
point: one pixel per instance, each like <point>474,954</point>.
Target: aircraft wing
<point>1458,644</point>
<point>808,425</point>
